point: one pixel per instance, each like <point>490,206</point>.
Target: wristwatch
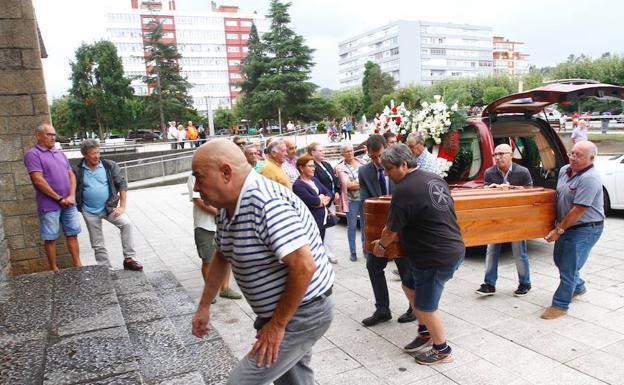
<point>60,199</point>
<point>380,245</point>
<point>559,230</point>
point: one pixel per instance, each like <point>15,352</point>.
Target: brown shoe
<point>553,312</point>
<point>131,264</point>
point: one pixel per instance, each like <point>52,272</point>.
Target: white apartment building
<point>212,43</point>
<point>417,52</point>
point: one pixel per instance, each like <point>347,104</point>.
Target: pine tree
<point>375,84</point>
<point>169,95</point>
<point>277,70</point>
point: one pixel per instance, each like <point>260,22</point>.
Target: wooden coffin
<point>485,216</point>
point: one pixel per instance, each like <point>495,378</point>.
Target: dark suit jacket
<point>369,182</point>
<point>325,179</point>
<point>311,198</point>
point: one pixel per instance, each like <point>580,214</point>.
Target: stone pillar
<point>23,105</point>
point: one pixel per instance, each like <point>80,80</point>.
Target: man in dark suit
<point>374,183</point>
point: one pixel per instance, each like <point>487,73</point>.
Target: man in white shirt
<point>205,228</point>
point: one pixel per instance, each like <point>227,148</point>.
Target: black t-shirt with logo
<point>423,213</point>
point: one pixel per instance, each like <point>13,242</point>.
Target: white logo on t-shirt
<point>439,197</point>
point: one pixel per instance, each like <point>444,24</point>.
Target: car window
<point>531,149</point>
<point>468,159</point>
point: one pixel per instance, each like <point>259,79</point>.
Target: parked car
<point>612,173</point>
<point>515,119</point>
<point>145,135</point>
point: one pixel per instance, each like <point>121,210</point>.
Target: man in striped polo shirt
<point>270,239</point>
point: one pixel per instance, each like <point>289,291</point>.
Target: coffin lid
<point>535,100</point>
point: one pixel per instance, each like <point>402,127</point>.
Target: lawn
<point>605,137</point>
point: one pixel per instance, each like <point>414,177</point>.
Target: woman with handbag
<point>347,171</point>
<point>316,196</point>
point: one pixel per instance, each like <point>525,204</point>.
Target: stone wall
<point>23,105</point>
<point>5,264</point>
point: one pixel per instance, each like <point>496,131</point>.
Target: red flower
<point>394,110</point>
<point>376,131</point>
<point>400,138</point>
<point>397,120</point>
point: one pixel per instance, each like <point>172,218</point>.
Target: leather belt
<point>327,293</point>
<point>586,224</point>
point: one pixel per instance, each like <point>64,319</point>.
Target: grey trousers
<point>307,326</point>
<point>94,226</point>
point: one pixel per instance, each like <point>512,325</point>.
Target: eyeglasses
<point>500,154</point>
<point>51,135</point>
<point>311,165</point>
<point>575,154</point>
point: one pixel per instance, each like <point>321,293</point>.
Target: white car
<point>611,170</point>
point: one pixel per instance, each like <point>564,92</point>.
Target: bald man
<point>580,216</point>
<point>506,174</point>
<point>273,245</point>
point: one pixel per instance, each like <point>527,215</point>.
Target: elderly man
<point>290,161</point>
<point>506,174</point>
<point>373,183</point>
<point>55,188</point>
<point>424,159</point>
<point>101,192</point>
<point>422,216</point>
<point>276,155</point>
<point>580,216</point>
<point>279,264</point>
<point>251,154</point>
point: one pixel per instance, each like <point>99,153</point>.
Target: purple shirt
<point>55,168</point>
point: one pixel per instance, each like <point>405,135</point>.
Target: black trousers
<point>375,267</point>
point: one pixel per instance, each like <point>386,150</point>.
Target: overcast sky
<point>551,30</point>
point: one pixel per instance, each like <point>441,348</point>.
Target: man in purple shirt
<point>55,187</point>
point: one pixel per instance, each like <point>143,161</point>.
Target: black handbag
<point>332,220</point>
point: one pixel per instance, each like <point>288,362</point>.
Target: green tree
<point>347,103</point>
<point>62,117</point>
<point>225,118</point>
<point>277,70</point>
<point>490,94</point>
<point>99,89</point>
<point>169,96</point>
<point>375,84</point>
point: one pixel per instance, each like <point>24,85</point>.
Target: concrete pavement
<point>496,340</point>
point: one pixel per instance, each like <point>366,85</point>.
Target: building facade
<point>212,44</point>
<point>508,60</point>
<point>417,52</point>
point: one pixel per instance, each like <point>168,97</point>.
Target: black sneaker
<point>486,289</point>
<point>419,342</point>
<point>433,357</point>
<point>522,290</point>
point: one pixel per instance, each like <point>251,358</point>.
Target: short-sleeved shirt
<point>423,213</point>
<point>200,217</point>
<point>517,175</point>
<point>270,222</point>
<point>290,168</point>
<point>584,189</point>
<point>55,167</point>
<point>274,171</point>
<point>95,189</point>
<point>427,162</point>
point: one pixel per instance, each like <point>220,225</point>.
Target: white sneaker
<point>333,260</point>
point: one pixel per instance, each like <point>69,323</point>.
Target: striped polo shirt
<point>269,223</point>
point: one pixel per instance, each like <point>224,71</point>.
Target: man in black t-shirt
<point>422,216</point>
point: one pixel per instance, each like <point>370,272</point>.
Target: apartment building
<point>508,59</point>
<point>212,43</point>
<point>417,52</point>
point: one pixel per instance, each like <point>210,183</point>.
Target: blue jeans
<point>429,284</point>
<point>519,251</point>
<point>355,208</point>
<point>50,223</point>
<point>570,254</point>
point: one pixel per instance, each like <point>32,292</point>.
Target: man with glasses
<point>424,159</point>
<point>276,155</point>
<point>580,216</point>
<point>505,174</point>
<point>55,187</point>
<point>240,142</point>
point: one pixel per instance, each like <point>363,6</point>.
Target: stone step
<point>89,326</point>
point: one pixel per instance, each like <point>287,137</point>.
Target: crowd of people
<point>269,218</point>
<point>179,136</point>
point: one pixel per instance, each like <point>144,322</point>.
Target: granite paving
<point>496,340</point>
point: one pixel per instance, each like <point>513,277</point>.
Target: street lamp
<point>211,130</point>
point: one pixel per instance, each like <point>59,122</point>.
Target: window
<point>245,23</point>
<point>438,51</point>
<point>234,63</point>
<point>232,36</point>
<point>235,75</point>
<point>233,49</point>
<point>245,49</point>
<point>394,51</point>
<point>244,36</point>
<point>231,23</point>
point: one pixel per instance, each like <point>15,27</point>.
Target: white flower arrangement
<point>443,167</point>
<point>434,119</point>
<point>393,118</point>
